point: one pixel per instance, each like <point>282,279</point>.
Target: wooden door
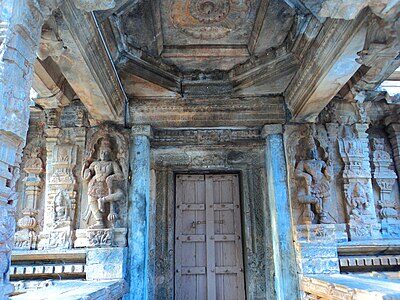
<point>208,244</point>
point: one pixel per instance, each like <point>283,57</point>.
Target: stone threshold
<point>77,290</point>
<point>354,286</point>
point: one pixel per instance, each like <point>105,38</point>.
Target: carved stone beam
<point>299,6</point>
<point>130,65</point>
<point>328,65</point>
<point>120,5</point>
<point>348,10</point>
<point>91,5</point>
<point>88,67</point>
<point>51,85</point>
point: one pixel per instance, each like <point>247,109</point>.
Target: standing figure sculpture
<point>314,188</point>
<point>103,175</point>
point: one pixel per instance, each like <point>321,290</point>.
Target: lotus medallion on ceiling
<point>209,19</point>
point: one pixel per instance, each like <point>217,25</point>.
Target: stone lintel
<point>271,129</point>
<point>208,112</point>
<point>144,130</point>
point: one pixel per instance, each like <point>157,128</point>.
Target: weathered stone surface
<point>138,221</point>
<point>90,5</point>
<point>106,263</point>
<point>286,280</point>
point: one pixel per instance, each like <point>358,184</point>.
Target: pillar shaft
<point>286,280</point>
<point>139,212</point>
<point>21,23</point>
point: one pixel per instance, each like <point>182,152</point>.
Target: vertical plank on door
<point>210,235</point>
<point>190,246</point>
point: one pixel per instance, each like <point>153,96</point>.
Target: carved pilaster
<point>385,178</point>
<point>61,202</point>
<point>394,136</point>
<point>26,237</point>
<point>354,150</point>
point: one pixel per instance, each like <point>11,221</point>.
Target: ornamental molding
<point>205,136</point>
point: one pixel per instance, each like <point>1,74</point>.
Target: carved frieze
<point>205,136</point>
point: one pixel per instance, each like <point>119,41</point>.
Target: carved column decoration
<point>354,150</point>
<point>60,203</point>
<point>385,178</point>
<point>394,136</point>
<point>26,237</point>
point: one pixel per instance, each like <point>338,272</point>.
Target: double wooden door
<point>208,243</point>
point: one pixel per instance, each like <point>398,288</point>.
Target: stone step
<point>58,264</point>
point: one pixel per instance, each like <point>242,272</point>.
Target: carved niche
<point>105,171</point>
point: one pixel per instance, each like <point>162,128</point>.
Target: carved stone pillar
<point>354,150</point>
<point>394,136</point>
<point>139,198</point>
<point>286,279</point>
<point>26,237</point>
<point>21,23</point>
<point>385,178</point>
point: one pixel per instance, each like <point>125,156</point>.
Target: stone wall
<point>344,183</point>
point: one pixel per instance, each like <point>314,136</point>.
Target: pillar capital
<point>271,129</point>
<point>143,130</point>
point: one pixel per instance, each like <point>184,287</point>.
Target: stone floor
<point>354,286</point>
<point>74,290</point>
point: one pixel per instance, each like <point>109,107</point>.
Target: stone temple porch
<point>205,149</point>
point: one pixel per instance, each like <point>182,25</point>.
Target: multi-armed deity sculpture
<point>105,172</point>
<point>105,179</point>
<point>314,189</point>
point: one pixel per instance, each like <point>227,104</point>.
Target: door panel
<point>208,248</point>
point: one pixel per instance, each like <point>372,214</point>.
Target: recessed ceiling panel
<point>208,22</point>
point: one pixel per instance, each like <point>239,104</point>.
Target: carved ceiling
<point>202,35</point>
<point>304,50</point>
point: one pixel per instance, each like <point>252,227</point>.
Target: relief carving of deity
<point>359,201</point>
<point>105,185</point>
<point>313,185</point>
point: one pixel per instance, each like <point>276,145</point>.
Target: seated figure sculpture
<point>103,174</point>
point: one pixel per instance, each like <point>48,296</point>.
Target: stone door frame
<point>256,232</point>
